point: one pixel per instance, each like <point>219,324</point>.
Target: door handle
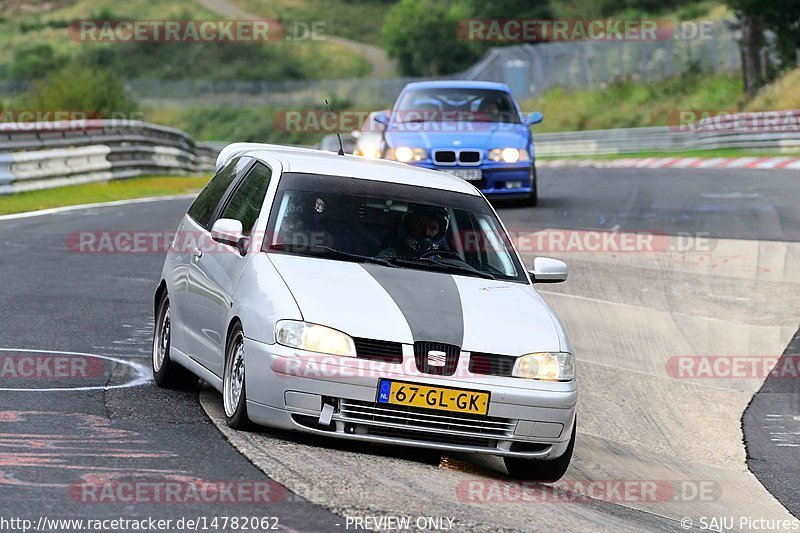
<point>197,252</point>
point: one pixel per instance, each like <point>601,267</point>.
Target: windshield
<point>452,105</point>
<point>396,225</point>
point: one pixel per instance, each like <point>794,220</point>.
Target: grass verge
<point>108,191</point>
<point>630,103</point>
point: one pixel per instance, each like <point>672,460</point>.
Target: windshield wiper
<point>327,250</point>
<point>429,261</point>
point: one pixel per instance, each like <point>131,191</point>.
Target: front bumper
<point>499,180</point>
<point>289,389</point>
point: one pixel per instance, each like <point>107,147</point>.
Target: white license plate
<point>469,174</point>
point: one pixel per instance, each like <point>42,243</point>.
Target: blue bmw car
<point>473,129</point>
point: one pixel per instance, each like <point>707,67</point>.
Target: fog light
<point>513,184</point>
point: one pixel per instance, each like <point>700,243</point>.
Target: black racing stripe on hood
<point>429,301</point>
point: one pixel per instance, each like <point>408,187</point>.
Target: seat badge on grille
<point>436,358</point>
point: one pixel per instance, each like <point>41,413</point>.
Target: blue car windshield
<point>446,105</point>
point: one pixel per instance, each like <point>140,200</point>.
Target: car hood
<point>407,305</point>
<point>458,135</point>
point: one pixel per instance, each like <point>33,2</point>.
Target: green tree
<point>508,9</point>
<point>421,36</point>
<point>79,88</point>
<point>34,62</point>
<point>782,17</point>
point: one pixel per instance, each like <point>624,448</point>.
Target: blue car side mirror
<point>382,118</point>
<point>535,118</point>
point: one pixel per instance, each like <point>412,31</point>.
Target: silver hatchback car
<point>366,300</point>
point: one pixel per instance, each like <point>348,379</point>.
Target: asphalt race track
<point>718,284</point>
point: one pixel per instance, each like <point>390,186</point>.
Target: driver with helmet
<point>422,232</point>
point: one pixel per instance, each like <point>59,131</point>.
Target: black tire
<point>541,471</point>
<point>167,373</point>
<point>235,406</point>
<point>533,197</point>
<point>429,457</point>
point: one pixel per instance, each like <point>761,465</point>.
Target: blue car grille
<point>454,157</point>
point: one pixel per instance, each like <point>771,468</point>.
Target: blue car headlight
<point>508,155</point>
<point>405,154</point>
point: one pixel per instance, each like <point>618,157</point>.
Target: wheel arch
<point>234,321</point>
<point>162,288</point>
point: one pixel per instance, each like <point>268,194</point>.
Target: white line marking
<point>142,375</point>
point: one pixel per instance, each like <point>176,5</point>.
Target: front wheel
<point>167,373</point>
<point>541,471</point>
<point>234,393</point>
<point>533,196</point>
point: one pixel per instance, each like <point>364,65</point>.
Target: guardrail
<point>745,130</point>
<point>53,154</point>
<point>616,141</point>
<point>749,130</point>
<point>44,155</point>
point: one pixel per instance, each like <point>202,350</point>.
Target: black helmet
<point>439,214</point>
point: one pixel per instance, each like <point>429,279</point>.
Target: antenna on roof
<point>341,146</point>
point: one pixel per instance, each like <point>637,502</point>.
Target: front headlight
<point>314,338</point>
<point>508,155</point>
<point>369,150</point>
<point>547,366</point>
<point>404,154</point>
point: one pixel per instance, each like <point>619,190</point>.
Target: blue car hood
<point>460,135</point>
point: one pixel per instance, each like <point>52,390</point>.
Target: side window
<point>246,200</point>
<point>497,256</point>
<point>206,202</point>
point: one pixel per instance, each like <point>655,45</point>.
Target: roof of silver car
<point>307,160</point>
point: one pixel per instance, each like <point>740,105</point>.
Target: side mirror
<point>229,231</point>
<point>547,270</point>
<point>534,118</point>
<point>382,118</point>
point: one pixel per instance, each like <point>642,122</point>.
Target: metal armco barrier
<point>725,132</point>
<point>50,154</point>
<point>733,131</point>
<point>44,155</point>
